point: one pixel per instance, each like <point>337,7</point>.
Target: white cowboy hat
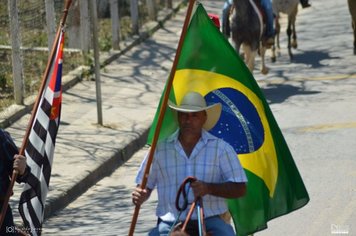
<point>195,102</point>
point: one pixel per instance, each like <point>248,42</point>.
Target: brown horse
<point>246,30</point>
<point>352,8</point>
<point>289,7</point>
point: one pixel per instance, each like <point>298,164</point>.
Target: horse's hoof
<point>273,59</point>
<point>265,71</point>
<point>354,51</point>
<point>294,45</point>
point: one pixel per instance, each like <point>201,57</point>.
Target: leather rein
<point>197,203</point>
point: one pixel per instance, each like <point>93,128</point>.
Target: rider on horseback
<point>268,37</point>
<point>268,12</point>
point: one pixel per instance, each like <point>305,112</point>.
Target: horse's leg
<point>293,18</point>
<point>274,58</point>
<point>289,34</point>
<point>278,32</point>
<point>264,68</point>
<point>249,57</point>
<point>354,28</point>
<point>236,42</point>
<point>276,45</point>
<point>273,49</point>
<point>352,10</point>
<point>294,43</point>
<point>237,46</point>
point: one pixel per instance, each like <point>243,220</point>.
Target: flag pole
<point>162,111</point>
<point>34,109</point>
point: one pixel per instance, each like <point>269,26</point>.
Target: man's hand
<point>140,195</point>
<point>19,164</point>
<point>200,188</point>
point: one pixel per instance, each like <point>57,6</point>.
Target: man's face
<point>191,122</point>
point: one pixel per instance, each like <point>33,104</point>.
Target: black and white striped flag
<point>40,146</point>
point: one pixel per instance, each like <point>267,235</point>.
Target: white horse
<point>289,7</point>
<point>352,8</point>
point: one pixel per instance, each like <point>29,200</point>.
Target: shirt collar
<point>205,136</point>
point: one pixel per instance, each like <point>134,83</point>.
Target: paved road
<point>313,99</point>
<point>106,208</point>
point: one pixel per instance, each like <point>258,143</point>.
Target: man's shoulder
<point>3,134</point>
<point>7,145</point>
<point>172,138</point>
<point>164,143</point>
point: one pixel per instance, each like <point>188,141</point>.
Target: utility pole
<point>94,16</point>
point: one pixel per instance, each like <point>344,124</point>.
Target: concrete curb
<point>97,173</point>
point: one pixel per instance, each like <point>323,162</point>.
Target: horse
<point>352,9</point>
<point>247,29</point>
<point>289,7</point>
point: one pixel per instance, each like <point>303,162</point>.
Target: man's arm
<point>225,190</point>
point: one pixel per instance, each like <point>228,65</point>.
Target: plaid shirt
<point>212,160</point>
<point>7,151</point>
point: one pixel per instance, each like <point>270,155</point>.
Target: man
<point>192,151</point>
<point>9,161</point>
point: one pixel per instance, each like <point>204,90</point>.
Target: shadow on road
<point>312,58</point>
<point>278,93</point>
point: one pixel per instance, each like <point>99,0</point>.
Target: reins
<point>197,203</point>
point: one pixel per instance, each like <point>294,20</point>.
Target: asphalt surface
<point>312,98</point>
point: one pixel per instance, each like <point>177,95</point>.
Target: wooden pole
<point>35,107</point>
<point>162,111</point>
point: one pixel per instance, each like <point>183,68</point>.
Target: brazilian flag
<point>209,65</point>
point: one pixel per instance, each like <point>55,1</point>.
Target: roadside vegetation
<point>33,36</point>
